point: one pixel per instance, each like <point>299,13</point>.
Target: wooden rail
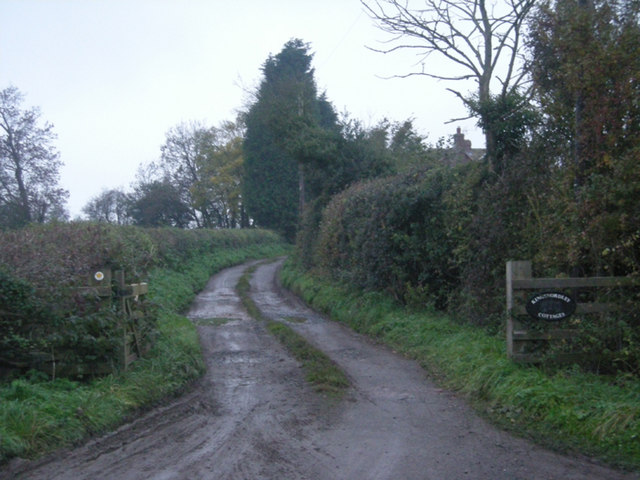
<point>520,284</point>
<point>111,287</point>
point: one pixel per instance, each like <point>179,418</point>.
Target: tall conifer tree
<point>282,126</point>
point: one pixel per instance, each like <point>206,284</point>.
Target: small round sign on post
<point>551,306</point>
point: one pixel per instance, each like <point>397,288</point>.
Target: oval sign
<point>551,306</point>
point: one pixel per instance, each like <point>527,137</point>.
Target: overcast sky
<point>113,76</point>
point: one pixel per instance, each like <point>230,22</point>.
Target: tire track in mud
<point>252,416</point>
<point>398,424</point>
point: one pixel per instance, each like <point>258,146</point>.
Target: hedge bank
<point>566,409</point>
<point>38,414</point>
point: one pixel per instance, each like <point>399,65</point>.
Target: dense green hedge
<point>46,320</point>
<point>442,236</point>
<point>390,234</point>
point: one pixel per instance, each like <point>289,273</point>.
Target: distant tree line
<point>195,183</point>
<point>287,151</point>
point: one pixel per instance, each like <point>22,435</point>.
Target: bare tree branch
<point>466,33</point>
<point>479,38</point>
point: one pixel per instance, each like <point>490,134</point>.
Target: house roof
<point>461,152</point>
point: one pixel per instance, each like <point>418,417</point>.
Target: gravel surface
<point>254,417</point>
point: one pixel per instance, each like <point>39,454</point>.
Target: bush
<point>389,234</point>
<point>22,321</point>
<point>442,237</point>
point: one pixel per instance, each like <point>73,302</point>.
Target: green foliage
<point>564,408</point>
<point>270,186</point>
<point>389,234</point>
<point>158,204</point>
<point>204,166</point>
<point>19,312</point>
<point>585,70</point>
<point>47,322</point>
<point>298,154</point>
<point>358,154</point>
<point>510,117</point>
<point>38,414</point>
<point>280,125</point>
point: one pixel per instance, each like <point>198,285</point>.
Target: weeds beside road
<point>566,409</point>
<point>38,415</point>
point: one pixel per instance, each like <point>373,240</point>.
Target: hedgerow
<point>441,237</point>
<point>389,234</point>
<point>49,323</point>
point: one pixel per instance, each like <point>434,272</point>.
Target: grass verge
<point>38,415</point>
<point>320,370</point>
<point>565,409</point>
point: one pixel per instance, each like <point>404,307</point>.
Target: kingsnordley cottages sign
<point>551,306</point>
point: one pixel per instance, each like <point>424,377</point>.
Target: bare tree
<point>29,165</point>
<point>481,39</point>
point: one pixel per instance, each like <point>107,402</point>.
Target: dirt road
<point>253,416</point>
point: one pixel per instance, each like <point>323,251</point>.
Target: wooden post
<point>516,270</point>
<point>120,286</point>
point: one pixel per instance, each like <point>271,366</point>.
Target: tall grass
<point>566,409</point>
<point>38,415</point>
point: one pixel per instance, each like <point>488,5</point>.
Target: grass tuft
<point>212,322</point>
<point>295,319</point>
<point>320,370</point>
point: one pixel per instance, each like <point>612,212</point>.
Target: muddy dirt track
<point>254,417</point>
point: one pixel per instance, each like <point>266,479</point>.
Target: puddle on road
<point>239,357</point>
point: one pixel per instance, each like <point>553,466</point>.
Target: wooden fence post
<point>516,270</point>
<point>120,286</point>
<point>521,336</point>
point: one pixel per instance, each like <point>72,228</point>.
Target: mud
<point>253,416</point>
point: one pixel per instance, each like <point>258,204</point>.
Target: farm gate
<point>540,311</point>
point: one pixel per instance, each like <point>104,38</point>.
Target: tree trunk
<point>484,85</point>
<point>244,220</point>
<point>22,191</point>
<point>301,187</point>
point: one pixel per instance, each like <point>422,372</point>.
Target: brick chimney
<point>459,143</point>
<point>461,152</point>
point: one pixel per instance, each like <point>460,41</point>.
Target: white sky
<point>113,76</point>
